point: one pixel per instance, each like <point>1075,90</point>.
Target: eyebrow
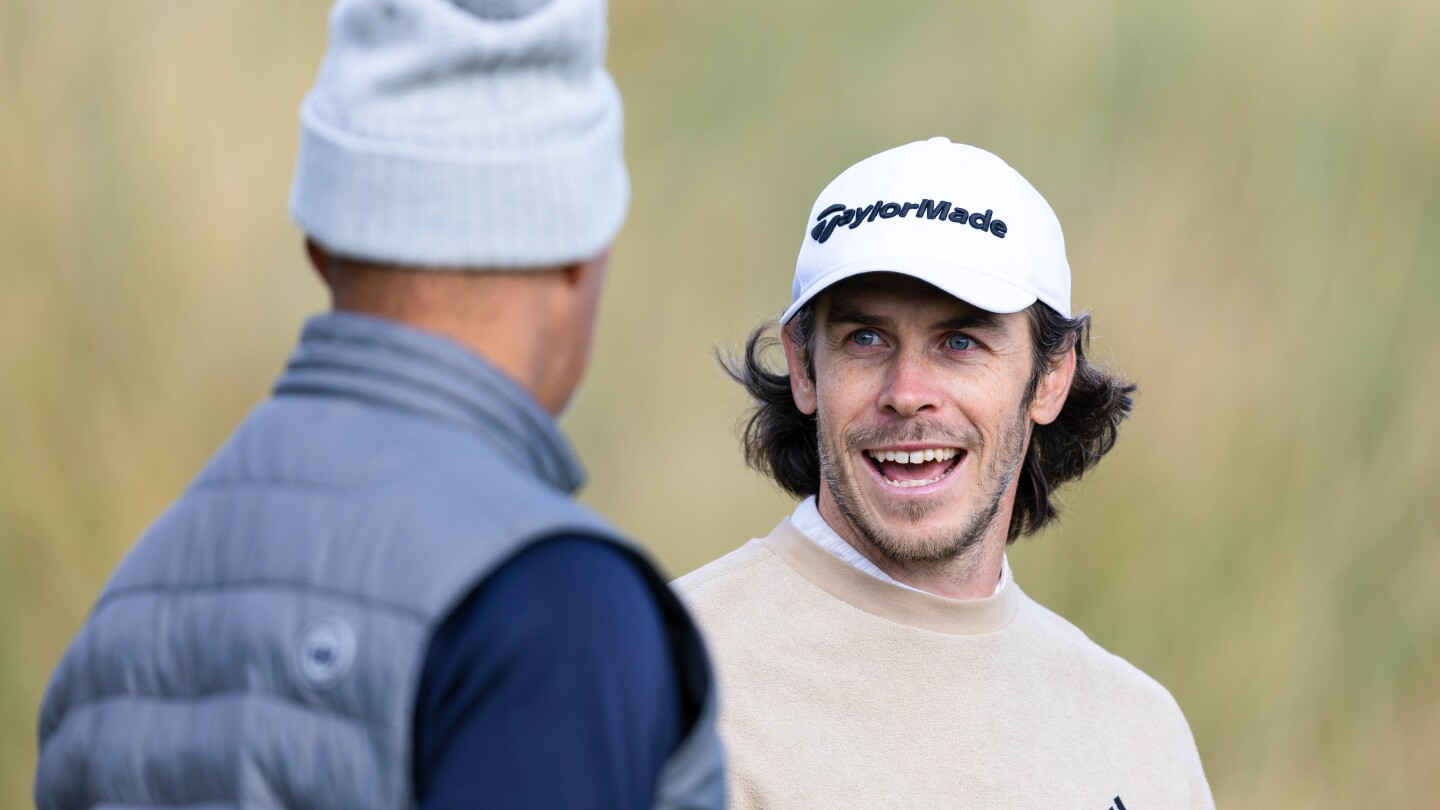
<point>979,319</point>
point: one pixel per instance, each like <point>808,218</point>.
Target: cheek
<point>998,416</point>
<point>843,395</point>
<point>990,402</point>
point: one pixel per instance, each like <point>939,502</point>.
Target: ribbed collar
<point>396,366</point>
<point>811,523</point>
<point>900,605</point>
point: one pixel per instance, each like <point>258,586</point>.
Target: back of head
<point>463,135</point>
<point>481,138</point>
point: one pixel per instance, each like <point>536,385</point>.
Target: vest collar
<point>385,363</point>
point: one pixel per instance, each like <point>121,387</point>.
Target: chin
<point>922,541</point>
<point>915,530</point>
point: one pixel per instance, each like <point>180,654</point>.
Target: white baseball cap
<point>948,214</point>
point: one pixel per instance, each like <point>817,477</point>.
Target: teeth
<point>916,457</point>
<point>919,483</point>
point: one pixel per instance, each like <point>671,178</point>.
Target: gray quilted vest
<point>261,645</point>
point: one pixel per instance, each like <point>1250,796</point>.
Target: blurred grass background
<point>1251,196</point>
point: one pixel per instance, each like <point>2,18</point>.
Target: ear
<point>1053,389</point>
<point>319,260</point>
<point>802,388</point>
<point>588,272</point>
<point>575,273</point>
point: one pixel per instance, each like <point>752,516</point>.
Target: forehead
<point>889,292</point>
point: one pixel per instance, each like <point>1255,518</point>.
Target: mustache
<point>920,431</point>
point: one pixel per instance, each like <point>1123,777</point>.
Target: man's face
<point>923,415</point>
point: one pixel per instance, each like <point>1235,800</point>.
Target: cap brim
<point>974,287</point>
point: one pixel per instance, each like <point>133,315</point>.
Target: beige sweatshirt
<point>839,690</point>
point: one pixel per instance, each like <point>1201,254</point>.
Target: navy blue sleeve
<point>552,685</point>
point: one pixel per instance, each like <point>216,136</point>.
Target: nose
<point>909,388</point>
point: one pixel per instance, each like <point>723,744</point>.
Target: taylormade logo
<point>837,215</point>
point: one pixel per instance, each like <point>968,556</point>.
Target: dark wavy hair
<point>781,441</point>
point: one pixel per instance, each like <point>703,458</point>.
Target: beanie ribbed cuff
<point>464,208</point>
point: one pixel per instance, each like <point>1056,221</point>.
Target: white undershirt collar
<point>808,520</point>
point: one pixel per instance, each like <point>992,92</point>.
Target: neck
<point>972,574</point>
<point>498,316</point>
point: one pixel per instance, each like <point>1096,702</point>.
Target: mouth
<point>914,469</point>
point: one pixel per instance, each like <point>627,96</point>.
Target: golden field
<point>1251,198</point>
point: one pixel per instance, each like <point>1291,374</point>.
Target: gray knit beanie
<point>469,134</point>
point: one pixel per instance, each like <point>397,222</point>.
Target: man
<point>874,650</point>
<point>378,593</point>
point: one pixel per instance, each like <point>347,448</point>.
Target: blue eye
<point>865,337</point>
<point>959,343</point>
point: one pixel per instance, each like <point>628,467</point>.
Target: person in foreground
<point>874,650</point>
<point>378,593</point>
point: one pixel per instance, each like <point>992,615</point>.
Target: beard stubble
<point>944,544</point>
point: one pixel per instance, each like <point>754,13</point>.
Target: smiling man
<point>874,650</point>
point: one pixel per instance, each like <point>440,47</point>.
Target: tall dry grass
<point>1251,193</point>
